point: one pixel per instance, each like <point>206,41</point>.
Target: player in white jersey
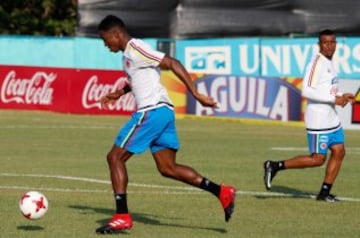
<point>324,131</point>
<point>152,125</point>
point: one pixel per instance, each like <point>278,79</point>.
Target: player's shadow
<point>30,228</point>
<point>285,192</point>
<point>148,219</point>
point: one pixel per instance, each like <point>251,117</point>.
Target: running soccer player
<point>324,130</point>
<point>152,125</point>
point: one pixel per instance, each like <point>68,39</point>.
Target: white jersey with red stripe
<point>320,87</point>
<point>141,63</point>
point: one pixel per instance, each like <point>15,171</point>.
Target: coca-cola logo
<point>94,91</point>
<point>35,90</point>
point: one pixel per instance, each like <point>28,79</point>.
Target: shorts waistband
<point>159,104</point>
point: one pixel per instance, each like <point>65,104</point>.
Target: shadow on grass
<point>30,228</point>
<point>144,218</point>
<point>285,192</point>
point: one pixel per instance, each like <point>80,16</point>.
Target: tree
<point>38,17</point>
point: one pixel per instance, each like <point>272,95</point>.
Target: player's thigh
<point>318,143</point>
<point>168,138</point>
<point>134,136</point>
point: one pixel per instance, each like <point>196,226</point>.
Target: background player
<point>324,130</point>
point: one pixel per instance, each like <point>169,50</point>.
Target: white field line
<point>351,150</point>
<point>164,189</point>
<point>57,127</point>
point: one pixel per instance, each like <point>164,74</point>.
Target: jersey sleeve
<point>145,55</point>
<point>312,89</point>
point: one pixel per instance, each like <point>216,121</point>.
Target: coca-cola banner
<point>62,90</point>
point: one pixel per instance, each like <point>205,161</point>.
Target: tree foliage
<point>38,17</point>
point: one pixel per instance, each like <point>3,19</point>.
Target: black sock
<point>121,203</point>
<point>279,165</point>
<point>210,187</point>
<point>325,189</point>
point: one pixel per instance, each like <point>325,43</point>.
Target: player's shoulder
<point>139,44</point>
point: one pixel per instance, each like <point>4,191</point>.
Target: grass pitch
<point>63,156</point>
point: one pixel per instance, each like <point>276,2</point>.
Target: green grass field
<point>63,156</point>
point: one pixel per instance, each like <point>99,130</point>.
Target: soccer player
<point>152,125</point>
<point>324,130</point>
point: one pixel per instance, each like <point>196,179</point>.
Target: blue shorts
<point>320,143</point>
<point>154,129</point>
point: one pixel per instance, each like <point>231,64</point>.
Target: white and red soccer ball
<point>33,205</point>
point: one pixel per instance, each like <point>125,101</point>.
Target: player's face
<point>327,45</point>
<point>111,40</point>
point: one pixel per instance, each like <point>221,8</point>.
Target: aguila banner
<point>62,90</point>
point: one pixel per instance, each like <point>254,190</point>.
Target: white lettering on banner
<point>94,91</point>
<point>291,59</point>
<point>244,95</point>
<point>280,57</point>
<point>342,57</point>
<point>245,56</point>
<point>35,90</point>
<point>301,56</point>
<point>356,54</point>
<point>280,107</point>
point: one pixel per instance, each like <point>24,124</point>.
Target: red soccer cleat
<point>227,199</point>
<point>119,222</point>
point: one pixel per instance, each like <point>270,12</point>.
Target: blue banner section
<point>267,57</point>
<point>220,56</point>
<point>288,57</point>
<point>248,97</point>
<point>65,52</point>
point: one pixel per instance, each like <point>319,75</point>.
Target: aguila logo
<point>94,91</point>
<point>36,90</point>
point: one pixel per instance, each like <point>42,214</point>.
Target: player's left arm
<point>170,63</point>
<point>113,96</point>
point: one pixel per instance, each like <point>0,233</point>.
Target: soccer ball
<point>33,205</point>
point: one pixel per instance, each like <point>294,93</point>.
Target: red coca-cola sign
<point>34,90</point>
<point>62,90</point>
<point>94,84</point>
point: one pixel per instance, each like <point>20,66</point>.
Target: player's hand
<point>345,99</point>
<point>109,98</point>
<point>349,97</point>
<point>206,101</point>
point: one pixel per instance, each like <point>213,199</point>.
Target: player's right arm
<point>311,88</point>
<point>170,63</point>
<point>113,96</point>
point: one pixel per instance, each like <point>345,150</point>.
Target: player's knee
<point>342,154</point>
<point>318,159</point>
<point>111,158</point>
<point>167,172</point>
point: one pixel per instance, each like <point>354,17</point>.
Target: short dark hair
<point>326,32</point>
<point>109,22</point>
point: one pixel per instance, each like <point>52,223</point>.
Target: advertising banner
<point>79,91</point>
<point>248,97</point>
<point>289,57</point>
<point>34,88</point>
<point>265,57</point>
<point>62,90</point>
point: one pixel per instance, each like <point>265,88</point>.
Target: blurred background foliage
<point>38,17</point>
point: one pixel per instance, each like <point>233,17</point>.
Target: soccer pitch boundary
<point>163,189</point>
